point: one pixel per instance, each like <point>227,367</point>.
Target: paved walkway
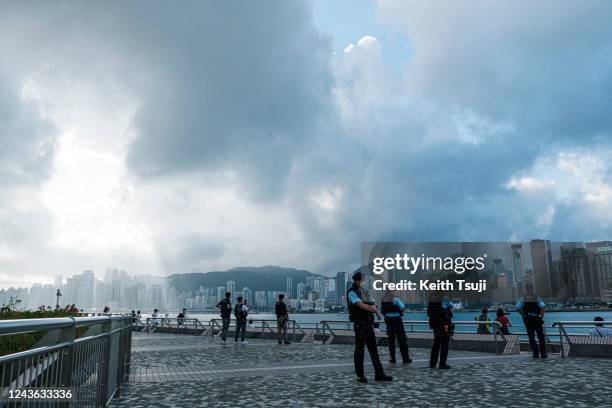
<point>171,370</point>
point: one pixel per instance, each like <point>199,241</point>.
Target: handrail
<point>264,325</point>
<point>581,323</point>
<point>28,325</point>
<point>325,324</point>
<point>177,322</point>
<point>563,333</point>
<point>60,359</point>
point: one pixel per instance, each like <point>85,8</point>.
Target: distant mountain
<point>255,278</point>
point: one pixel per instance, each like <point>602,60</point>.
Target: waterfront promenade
<point>179,370</point>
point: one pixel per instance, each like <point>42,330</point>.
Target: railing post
<point>106,328</point>
<point>495,338</point>
<point>561,340</point>
<point>67,335</point>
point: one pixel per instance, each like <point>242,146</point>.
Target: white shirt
<point>600,332</point>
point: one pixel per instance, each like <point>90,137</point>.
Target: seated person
<point>599,330</point>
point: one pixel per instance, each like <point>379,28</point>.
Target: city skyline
<point>166,139</point>
<point>567,272</point>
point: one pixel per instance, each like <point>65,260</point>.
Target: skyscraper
<point>220,293</point>
<point>600,256</point>
<point>341,286</point>
<point>301,288</point>
<point>541,259</point>
<point>289,292</point>
<point>231,287</point>
<point>517,266</point>
<point>248,295</point>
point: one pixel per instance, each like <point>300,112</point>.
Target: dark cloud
<point>240,86</point>
<point>346,150</point>
<point>27,139</point>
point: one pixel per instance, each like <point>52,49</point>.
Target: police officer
<point>531,308</point>
<point>393,309</point>
<point>361,314</point>
<point>439,311</point>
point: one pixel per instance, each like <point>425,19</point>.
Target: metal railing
<point>264,326</point>
<point>88,355</point>
<point>564,335</point>
<point>179,324</point>
<point>498,336</point>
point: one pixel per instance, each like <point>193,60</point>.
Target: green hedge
<point>10,344</point>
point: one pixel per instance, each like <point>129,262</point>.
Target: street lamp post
<point>58,294</point>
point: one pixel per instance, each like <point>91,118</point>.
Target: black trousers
<point>536,327</point>
<point>439,348</point>
<point>240,327</point>
<point>395,330</point>
<point>364,336</point>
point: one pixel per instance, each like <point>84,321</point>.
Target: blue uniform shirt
<point>353,298</point>
<point>396,302</point>
<point>521,303</point>
<point>447,304</point>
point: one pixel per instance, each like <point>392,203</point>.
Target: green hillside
<point>255,278</point>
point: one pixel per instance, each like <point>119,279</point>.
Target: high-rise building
<point>156,297</point>
<point>498,267</point>
<point>517,266</point>
<point>289,292</point>
<point>248,295</point>
<point>231,287</point>
<point>541,260</point>
<point>600,257</point>
<point>221,293</point>
<point>341,286</point>
<point>85,290</point>
<point>260,298</point>
<point>58,281</point>
<point>300,290</point>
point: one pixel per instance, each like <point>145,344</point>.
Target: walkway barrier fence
<point>568,339</point>
<point>264,326</point>
<point>89,357</point>
<point>332,326</point>
<point>179,324</point>
<point>328,329</point>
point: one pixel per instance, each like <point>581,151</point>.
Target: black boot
<point>383,377</point>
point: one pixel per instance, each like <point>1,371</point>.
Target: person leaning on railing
<point>531,307</point>
<point>440,314</point>
<point>180,318</point>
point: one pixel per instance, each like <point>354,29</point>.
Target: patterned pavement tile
<point>262,374</point>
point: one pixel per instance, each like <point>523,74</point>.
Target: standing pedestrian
<point>225,308</point>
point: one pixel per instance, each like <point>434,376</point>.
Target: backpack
<point>281,309</point>
<point>239,313</point>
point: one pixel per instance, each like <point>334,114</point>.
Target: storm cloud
<point>228,133</point>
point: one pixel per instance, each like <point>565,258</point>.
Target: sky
<point>164,138</point>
